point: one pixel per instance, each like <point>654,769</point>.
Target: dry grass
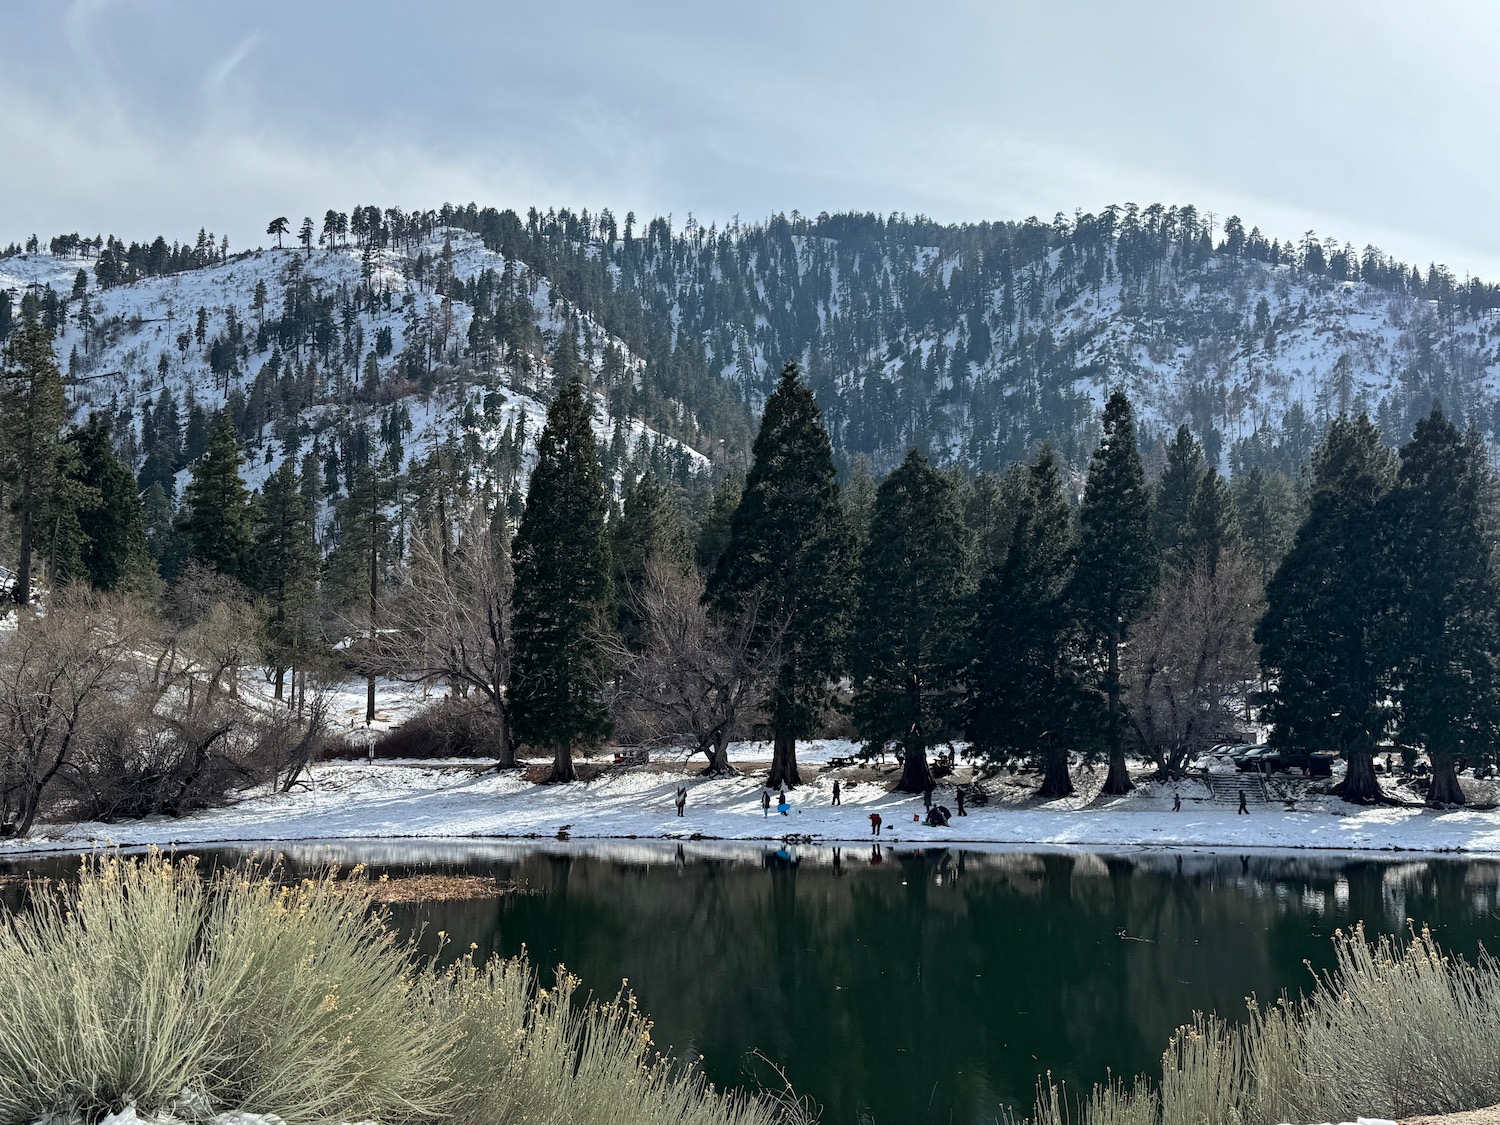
<point>145,979</point>
<point>388,890</point>
<point>1395,1029</point>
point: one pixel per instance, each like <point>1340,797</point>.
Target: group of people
<point>783,806</point>
<point>938,816</point>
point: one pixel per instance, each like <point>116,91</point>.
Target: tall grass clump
<point>1396,1029</point>
<point>145,980</point>
<point>146,983</point>
<point>542,1057</point>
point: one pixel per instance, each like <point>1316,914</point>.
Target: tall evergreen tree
<point>1447,629</point>
<point>648,527</point>
<point>361,558</point>
<point>1171,514</point>
<point>1213,524</point>
<point>713,532</point>
<point>33,407</point>
<point>1267,507</point>
<point>789,555</point>
<point>285,568</point>
<point>562,576</point>
<point>216,518</point>
<point>113,520</point>
<point>1324,636</point>
<point>908,634</point>
<point>1117,562</point>
<point>1026,697</point>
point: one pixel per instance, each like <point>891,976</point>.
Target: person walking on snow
<point>1176,802</point>
<point>1244,809</point>
<point>765,803</point>
<point>874,824</point>
<point>681,799</point>
<point>959,794</point>
<point>836,798</point>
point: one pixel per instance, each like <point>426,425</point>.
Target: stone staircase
<point>1229,786</point>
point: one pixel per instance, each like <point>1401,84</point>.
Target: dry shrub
<point>145,980</point>
<point>548,1059</point>
<point>453,728</point>
<point>1394,1030</point>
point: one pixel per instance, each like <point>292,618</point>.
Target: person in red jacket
<point>874,824</point>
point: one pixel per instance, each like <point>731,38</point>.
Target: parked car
<point>1266,759</point>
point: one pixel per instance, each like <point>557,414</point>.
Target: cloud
<point>219,74</point>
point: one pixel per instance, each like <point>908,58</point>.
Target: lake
<point>922,986</point>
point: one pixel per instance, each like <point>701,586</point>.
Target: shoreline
<point>449,802</point>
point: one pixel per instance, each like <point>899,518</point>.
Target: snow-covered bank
<point>453,800</point>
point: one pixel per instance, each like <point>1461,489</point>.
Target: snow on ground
<point>459,800</point>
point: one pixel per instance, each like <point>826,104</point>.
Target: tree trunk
<point>1445,788</point>
<point>1117,783</point>
<point>562,766</point>
<point>784,762</point>
<point>1360,785</point>
<point>1056,781</point>
<point>916,774</point>
<point>506,758</point>
<point>718,754</point>
<point>32,799</point>
<point>23,564</point>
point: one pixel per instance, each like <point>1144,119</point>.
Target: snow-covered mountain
<point>313,352</point>
<point>978,342</point>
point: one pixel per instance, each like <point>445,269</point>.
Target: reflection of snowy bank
<point>464,801</point>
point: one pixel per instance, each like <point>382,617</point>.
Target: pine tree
<point>1447,632</point>
<point>113,520</point>
<point>907,648</point>
<point>648,527</point>
<point>1324,635</point>
<point>789,555</point>
<point>360,560</point>
<point>1213,525</point>
<point>33,407</point>
<point>1117,562</point>
<point>285,568</point>
<point>713,532</point>
<point>1026,698</point>
<point>1267,509</point>
<point>1171,514</point>
<point>562,576</point>
<point>216,519</point>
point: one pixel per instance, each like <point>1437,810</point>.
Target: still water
<point>925,986</point>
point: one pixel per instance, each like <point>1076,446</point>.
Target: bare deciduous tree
<point>450,621</point>
<point>1192,658</point>
<point>695,674</point>
<point>62,674</point>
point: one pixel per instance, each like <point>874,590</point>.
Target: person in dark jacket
<point>1244,809</point>
<point>837,799</point>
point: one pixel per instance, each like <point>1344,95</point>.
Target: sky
<point>1368,121</point>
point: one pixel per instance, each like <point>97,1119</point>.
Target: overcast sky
<point>1366,120</point>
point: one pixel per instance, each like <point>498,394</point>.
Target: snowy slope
<point>114,363</point>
